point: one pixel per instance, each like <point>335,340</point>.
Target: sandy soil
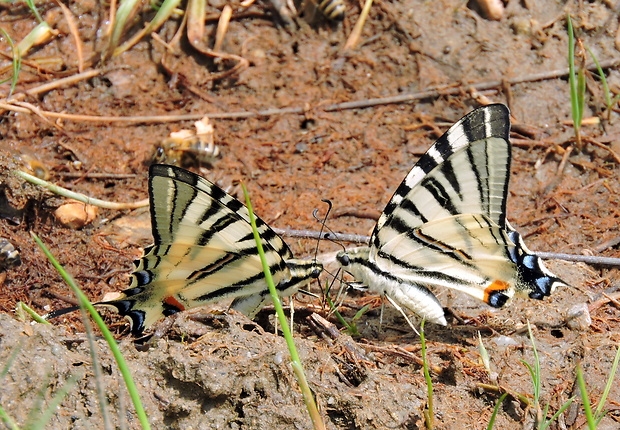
<point>227,372</point>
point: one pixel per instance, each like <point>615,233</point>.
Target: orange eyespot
<point>495,286</point>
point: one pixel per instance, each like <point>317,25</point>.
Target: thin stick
<point>222,27</point>
<point>590,259</point>
<point>358,238</point>
<point>354,37</point>
<point>53,85</point>
<point>74,32</point>
<point>606,148</point>
<point>429,93</point>
<point>79,196</point>
<point>309,234</point>
<point>304,234</point>
<point>452,90</point>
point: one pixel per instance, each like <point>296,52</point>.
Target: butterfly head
<point>301,273</point>
<point>343,258</point>
<point>316,270</point>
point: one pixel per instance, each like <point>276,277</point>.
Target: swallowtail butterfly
<point>446,226</point>
<point>204,251</point>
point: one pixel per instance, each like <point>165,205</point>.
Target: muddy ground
<point>227,372</point>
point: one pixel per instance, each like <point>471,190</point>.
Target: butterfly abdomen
<point>413,296</point>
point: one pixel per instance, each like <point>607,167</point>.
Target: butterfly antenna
<point>330,235</point>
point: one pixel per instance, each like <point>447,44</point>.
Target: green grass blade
<point>350,328</point>
<point>165,11</point>
<point>612,375</point>
<point>118,356</point>
<point>547,423</point>
<point>125,12</point>
<point>601,74</point>
<point>11,359</point>
<point>535,371</point>
<point>7,420</point>
<point>34,10</point>
<point>585,400</point>
<point>16,63</point>
<point>496,411</point>
<point>581,92</point>
<point>429,413</point>
<point>313,411</point>
<point>53,405</point>
<point>577,84</point>
<point>360,313</point>
<point>35,316</point>
<point>571,71</point>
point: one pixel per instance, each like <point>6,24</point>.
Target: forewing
<point>188,209</point>
<point>465,171</point>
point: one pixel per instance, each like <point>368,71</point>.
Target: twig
<point>358,238</point>
<point>52,85</point>
<point>304,234</point>
<point>96,175</point>
<point>613,153</point>
<point>452,90</point>
<point>401,352</point>
<point>74,32</point>
<point>353,39</point>
<point>607,298</point>
<point>79,196</point>
<point>308,234</point>
<point>590,259</point>
<point>63,81</point>
<point>430,93</point>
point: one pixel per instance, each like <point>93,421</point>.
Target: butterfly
<point>204,251</point>
<point>446,226</point>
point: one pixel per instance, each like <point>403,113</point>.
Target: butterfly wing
<point>465,171</point>
<point>446,225</point>
<point>204,251</point>
<point>468,251</point>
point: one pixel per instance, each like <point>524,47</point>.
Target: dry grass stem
<point>73,28</point>
<point>222,28</point>
<point>195,16</point>
<point>613,153</point>
<point>355,35</point>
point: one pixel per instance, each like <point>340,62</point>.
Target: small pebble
<point>578,317</point>
<point>505,341</point>
<point>75,214</point>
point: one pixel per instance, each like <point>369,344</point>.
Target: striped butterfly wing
<point>446,225</point>
<point>204,251</point>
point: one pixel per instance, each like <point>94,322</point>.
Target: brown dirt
<point>229,373</point>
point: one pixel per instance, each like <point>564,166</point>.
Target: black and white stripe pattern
<point>9,256</point>
<point>204,251</point>
<point>332,9</point>
<point>446,226</point>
